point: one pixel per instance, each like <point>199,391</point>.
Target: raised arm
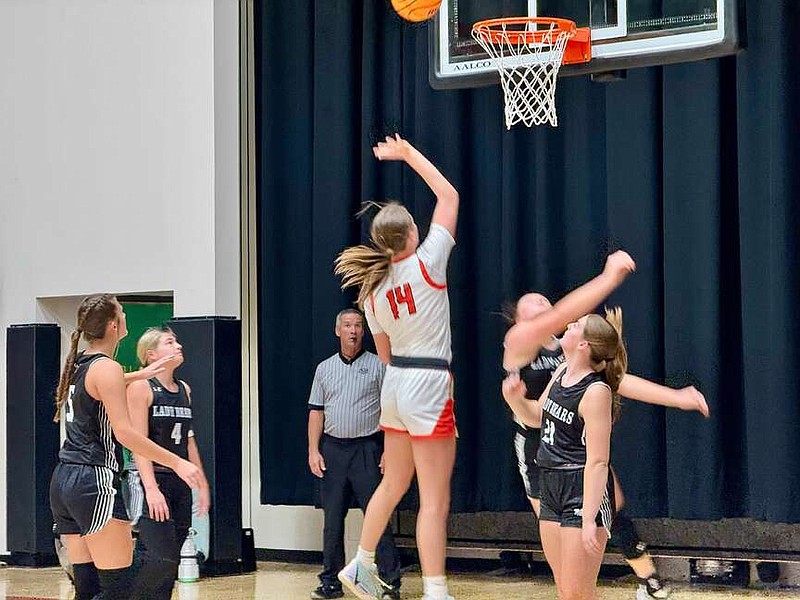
<point>643,390</point>
<point>105,381</point>
<point>446,211</point>
<point>524,340</point>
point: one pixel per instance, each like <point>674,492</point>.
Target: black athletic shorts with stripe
<point>526,445</point>
<point>562,498</point>
<point>84,498</point>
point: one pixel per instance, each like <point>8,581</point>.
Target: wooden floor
<point>281,581</point>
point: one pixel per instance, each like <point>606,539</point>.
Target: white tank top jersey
<point>411,305</point>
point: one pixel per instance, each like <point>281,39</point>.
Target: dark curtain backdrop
<point>692,168</point>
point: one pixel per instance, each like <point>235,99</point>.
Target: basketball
<point>416,11</point>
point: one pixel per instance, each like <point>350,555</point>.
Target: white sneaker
<point>362,582</point>
<point>653,588</point>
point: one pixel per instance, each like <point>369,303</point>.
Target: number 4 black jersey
<point>169,421</point>
<point>563,444</point>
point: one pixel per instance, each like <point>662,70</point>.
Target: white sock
<point>435,588</point>
<point>367,559</point>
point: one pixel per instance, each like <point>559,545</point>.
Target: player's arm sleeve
<point>316,398</point>
<point>435,251</point>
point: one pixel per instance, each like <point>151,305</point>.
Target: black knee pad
<point>625,537</point>
<point>115,583</point>
<point>87,582</point>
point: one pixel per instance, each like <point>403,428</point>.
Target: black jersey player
<point>576,486</point>
<point>535,376</point>
<point>161,408</point>
<point>85,494</point>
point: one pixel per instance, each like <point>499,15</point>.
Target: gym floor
<point>282,581</point>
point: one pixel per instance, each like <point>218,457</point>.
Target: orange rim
<point>502,29</point>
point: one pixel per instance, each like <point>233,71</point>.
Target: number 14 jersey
<point>411,304</point>
<point>169,421</point>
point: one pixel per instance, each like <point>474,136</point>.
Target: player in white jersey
<point>411,307</point>
<point>403,289</point>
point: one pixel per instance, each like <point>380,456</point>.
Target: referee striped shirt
<point>349,391</point>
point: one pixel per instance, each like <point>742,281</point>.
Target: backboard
<point>625,34</point>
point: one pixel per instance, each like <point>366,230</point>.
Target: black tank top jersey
<point>563,441</point>
<point>537,374</point>
<point>89,439</point>
<point>169,422</point>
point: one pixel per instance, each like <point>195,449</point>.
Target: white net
<point>528,56</point>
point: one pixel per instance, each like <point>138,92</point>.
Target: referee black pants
<point>352,471</point>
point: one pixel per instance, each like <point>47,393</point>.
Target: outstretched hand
<point>692,399</point>
<point>393,148</point>
<point>619,265</point>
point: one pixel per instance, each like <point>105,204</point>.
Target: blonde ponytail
<point>367,266</point>
<point>364,267</point>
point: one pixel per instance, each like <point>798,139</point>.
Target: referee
<point>345,448</point>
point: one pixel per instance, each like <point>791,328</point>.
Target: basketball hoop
<point>528,52</point>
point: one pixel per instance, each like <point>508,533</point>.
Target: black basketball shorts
<point>562,498</point>
<point>84,498</point>
<point>526,445</point>
<point>178,496</point>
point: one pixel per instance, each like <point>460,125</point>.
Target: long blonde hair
<point>94,315</point>
<point>367,266</point>
<point>608,352</point>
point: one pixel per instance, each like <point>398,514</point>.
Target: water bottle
<point>188,569</point>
